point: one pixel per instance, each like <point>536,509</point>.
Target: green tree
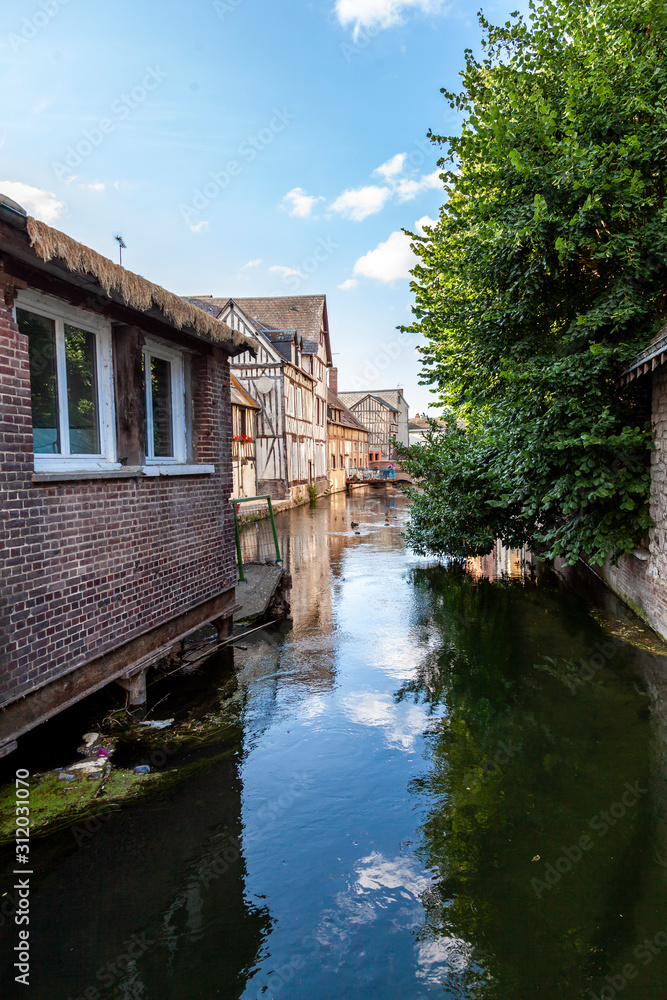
<point>545,273</point>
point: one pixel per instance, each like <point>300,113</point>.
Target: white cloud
<point>425,221</point>
<point>408,188</point>
<point>402,724</point>
<point>252,263</point>
<point>348,284</point>
<point>199,227</point>
<point>369,14</point>
<point>42,204</point>
<point>390,261</point>
<point>285,272</point>
<point>95,186</point>
<point>393,167</point>
<point>357,204</point>
<point>302,203</point>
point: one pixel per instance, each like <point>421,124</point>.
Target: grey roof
<point>307,314</point>
<point>352,398</point>
<point>393,396</point>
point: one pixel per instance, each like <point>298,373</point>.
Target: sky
<point>245,147</point>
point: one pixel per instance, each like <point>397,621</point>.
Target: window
<point>70,385</point>
<point>165,404</point>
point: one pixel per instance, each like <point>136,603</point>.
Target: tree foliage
<point>544,275</point>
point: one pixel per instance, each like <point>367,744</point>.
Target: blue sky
<point>243,147</point>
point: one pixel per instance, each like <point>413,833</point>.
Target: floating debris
<point>142,769</point>
<point>157,723</point>
<point>63,776</point>
<point>85,765</point>
<point>90,738</point>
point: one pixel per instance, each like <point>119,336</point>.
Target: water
<point>421,793</point>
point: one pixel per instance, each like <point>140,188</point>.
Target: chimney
<point>333,380</point>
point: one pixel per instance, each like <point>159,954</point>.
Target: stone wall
<point>640,579</point>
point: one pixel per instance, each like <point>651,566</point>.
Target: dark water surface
<point>425,795</point>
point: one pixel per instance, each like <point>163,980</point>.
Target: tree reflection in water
<point>519,768</point>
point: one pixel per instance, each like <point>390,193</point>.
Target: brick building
<point>116,523</point>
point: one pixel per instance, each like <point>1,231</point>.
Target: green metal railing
<point>236,502</point>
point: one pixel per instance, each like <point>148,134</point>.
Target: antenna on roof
<point>121,245</point>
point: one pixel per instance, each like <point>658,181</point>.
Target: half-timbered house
<point>381,419</point>
<point>288,378</point>
<point>244,465</point>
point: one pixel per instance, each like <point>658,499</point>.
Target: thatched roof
<point>136,292</point>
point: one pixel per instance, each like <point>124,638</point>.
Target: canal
<point>427,783</point>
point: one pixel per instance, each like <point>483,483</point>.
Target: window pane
<point>82,408</point>
<point>41,334</point>
<point>161,396</point>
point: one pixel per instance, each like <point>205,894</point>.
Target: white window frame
<point>157,349</point>
<point>61,313</point>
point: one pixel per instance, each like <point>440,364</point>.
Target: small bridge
<point>375,476</point>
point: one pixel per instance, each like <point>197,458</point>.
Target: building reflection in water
<point>502,563</point>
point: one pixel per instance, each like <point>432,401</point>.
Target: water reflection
<point>519,771</point>
<point>395,804</point>
<point>144,901</point>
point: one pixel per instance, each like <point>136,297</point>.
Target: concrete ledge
<point>40,704</point>
<point>128,472</point>
<point>177,470</point>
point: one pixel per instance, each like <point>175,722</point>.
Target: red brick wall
<point>90,564</point>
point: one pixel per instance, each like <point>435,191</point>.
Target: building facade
<point>348,438</point>
<point>116,472</point>
<point>288,378</point>
<point>419,427</point>
<point>244,465</point>
<point>381,419</point>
